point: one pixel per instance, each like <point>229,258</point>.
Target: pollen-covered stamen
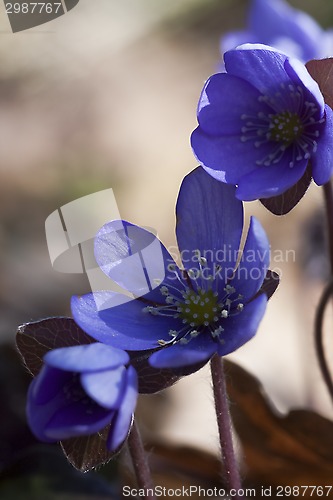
<point>199,276</point>
<point>285,127</point>
<point>199,312</point>
<point>199,308</point>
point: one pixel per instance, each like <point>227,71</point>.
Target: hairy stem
<point>230,466</point>
<point>328,196</point>
<point>140,461</point>
<point>327,293</point>
<point>319,342</point>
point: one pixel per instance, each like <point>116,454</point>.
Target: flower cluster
<point>206,307</point>
<point>263,126</point>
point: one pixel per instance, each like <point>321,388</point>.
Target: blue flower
<point>261,123</point>
<point>209,306</point>
<point>275,23</point>
<point>79,391</point>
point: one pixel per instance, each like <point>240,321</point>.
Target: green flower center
<point>285,127</point>
<point>199,308</point>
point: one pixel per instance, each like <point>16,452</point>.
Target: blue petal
<point>122,422</point>
<point>322,160</point>
<point>209,219</point>
<point>275,19</point>
<point>240,328</point>
<point>75,420</point>
<point>133,257</point>
<point>300,75</point>
<point>56,417</point>
<point>198,350</point>
<point>251,271</point>
<point>273,180</point>
<point>105,387</point>
<point>223,101</point>
<point>125,326</point>
<point>48,384</point>
<point>260,65</point>
<point>227,158</point>
<point>86,358</point>
<point>45,397</point>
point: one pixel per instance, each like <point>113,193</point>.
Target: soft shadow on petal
<point>76,420</point>
<point>45,398</point>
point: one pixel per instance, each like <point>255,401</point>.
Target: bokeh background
<point>105,97</point>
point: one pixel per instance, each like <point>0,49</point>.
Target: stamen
<point>198,311</point>
<point>294,127</point>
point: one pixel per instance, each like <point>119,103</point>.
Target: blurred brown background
<point>105,96</point>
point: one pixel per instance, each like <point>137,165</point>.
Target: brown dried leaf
<point>296,449</point>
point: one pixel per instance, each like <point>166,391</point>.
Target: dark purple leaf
<point>270,284</point>
<point>283,203</point>
<point>322,71</point>
<point>33,340</point>
<point>151,379</point>
<point>88,452</point>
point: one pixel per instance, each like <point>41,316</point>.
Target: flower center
<point>75,393</point>
<point>285,127</point>
<point>295,128</point>
<point>199,308</point>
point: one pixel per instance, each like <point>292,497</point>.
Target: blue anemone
<point>184,315</point>
<point>275,23</point>
<point>261,123</point>
<point>79,391</point>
